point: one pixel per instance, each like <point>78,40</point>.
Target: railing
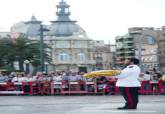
<point>68,88</point>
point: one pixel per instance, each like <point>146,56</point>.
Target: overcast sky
<point>101,19</point>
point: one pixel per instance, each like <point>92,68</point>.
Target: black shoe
<point>126,108</point>
<point>132,108</point>
<point>122,108</point>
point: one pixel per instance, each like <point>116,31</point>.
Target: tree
<point>21,49</point>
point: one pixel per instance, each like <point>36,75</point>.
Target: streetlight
<point>42,47</point>
<point>46,67</point>
<point>27,66</point>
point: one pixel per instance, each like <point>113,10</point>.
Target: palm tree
<point>6,52</point>
<point>22,49</point>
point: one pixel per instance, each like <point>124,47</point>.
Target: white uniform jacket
<point>129,77</point>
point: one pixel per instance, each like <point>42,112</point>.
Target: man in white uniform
<point>129,84</point>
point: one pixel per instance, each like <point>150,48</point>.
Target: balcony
<point>129,56</point>
<point>120,55</point>
<point>129,41</point>
<point>135,32</point>
<point>128,46</point>
<point>120,52</point>
<point>127,52</point>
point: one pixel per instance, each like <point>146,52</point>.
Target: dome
<point>30,28</point>
<point>60,29</point>
<point>18,27</point>
<point>63,26</point>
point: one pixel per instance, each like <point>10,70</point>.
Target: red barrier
<point>161,87</point>
<point>10,86</point>
<point>77,87</point>
<point>101,87</point>
<point>111,87</point>
<point>91,87</point>
<point>7,88</point>
<point>46,88</point>
<point>31,88</point>
<point>146,87</point>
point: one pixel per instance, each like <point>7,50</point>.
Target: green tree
<point>22,49</point>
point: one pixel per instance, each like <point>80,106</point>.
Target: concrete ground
<point>154,104</point>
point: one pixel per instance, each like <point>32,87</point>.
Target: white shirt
<point>15,79</point>
<point>129,77</point>
<point>22,79</point>
<point>57,78</point>
<point>73,78</point>
<point>145,77</point>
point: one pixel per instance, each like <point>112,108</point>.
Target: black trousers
<point>130,95</point>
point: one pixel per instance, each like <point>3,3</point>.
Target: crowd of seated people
<point>67,76</point>
<point>102,82</point>
<point>15,77</point>
<point>151,75</point>
<point>53,76</point>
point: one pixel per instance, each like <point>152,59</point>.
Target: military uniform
<point>128,84</point>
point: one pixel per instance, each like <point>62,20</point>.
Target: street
<point>149,104</point>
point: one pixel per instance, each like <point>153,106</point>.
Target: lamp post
<point>140,49</point>
<point>46,67</point>
<point>42,47</point>
<point>27,66</point>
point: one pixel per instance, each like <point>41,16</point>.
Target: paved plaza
<point>154,104</point>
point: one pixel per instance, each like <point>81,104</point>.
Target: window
<point>151,40</point>
<point>81,57</point>
<point>63,57</point>
<point>62,44</point>
<point>81,44</point>
<point>155,58</point>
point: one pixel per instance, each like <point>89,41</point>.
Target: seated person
<point>101,82</point>
<point>145,77</point>
<point>73,77</point>
<point>57,77</point>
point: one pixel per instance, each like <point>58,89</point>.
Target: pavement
<point>149,104</point>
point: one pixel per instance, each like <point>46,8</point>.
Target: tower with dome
<point>71,47</point>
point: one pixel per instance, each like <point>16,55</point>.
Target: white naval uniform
<point>129,77</point>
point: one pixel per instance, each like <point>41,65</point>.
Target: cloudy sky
<point>102,19</point>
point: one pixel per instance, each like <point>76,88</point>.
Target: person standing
<point>129,84</point>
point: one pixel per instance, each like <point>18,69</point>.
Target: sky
<point>101,19</point>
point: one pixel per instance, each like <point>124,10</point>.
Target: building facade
<point>124,47</point>
<point>140,42</point>
<point>103,55</point>
<point>72,49</point>
<point>4,35</point>
<point>161,48</point>
<point>146,46</point>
